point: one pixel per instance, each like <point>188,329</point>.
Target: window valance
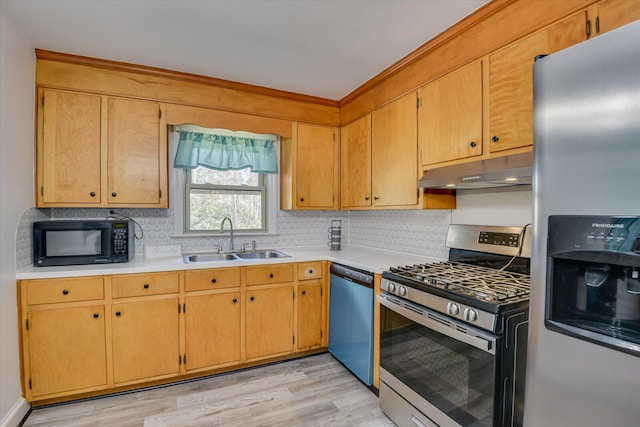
<point>224,152</point>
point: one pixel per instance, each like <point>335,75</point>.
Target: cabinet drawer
<point>202,280</point>
<point>265,274</point>
<point>144,284</point>
<point>310,270</point>
<point>49,291</point>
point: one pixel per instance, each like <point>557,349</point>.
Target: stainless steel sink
<point>208,257</point>
<point>232,256</point>
<point>262,254</point>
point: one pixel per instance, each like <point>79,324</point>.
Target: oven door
<point>444,368</point>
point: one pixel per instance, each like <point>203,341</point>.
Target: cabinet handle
<point>214,280</point>
<point>270,275</point>
<point>375,197</point>
<point>235,300</point>
<point>366,198</point>
<point>146,286</point>
<point>302,199</point>
<point>118,313</point>
<point>473,144</point>
<point>251,298</point>
<point>114,194</point>
<point>495,138</point>
<point>304,292</point>
<point>65,292</point>
<point>310,271</point>
<point>96,315</point>
<point>92,194</point>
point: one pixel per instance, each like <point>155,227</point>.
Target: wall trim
<point>16,414</point>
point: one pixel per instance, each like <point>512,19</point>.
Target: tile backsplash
<point>416,232</point>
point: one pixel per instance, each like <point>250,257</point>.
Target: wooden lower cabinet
<point>66,350</point>
<point>269,321</point>
<point>145,339</point>
<point>212,329</point>
<point>309,315</point>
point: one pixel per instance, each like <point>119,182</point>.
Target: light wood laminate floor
<point>313,391</point>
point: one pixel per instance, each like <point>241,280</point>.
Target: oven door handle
<point>484,343</point>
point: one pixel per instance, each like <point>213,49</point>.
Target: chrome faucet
<point>226,218</point>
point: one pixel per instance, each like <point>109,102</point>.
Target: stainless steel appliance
<point>351,320</point>
<point>72,242</point>
<point>580,371</point>
<point>453,334</point>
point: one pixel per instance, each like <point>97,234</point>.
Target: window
<point>212,195</point>
<point>201,198</point>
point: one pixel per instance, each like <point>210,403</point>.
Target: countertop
<point>368,259</point>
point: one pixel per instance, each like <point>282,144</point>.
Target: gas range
<point>487,275</point>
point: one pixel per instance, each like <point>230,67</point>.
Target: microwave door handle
<point>481,343</point>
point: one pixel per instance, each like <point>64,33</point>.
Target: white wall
<point>512,206</point>
<point>17,83</point>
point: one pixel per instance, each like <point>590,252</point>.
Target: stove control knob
<point>391,287</point>
<point>470,315</point>
<point>453,309</point>
<point>402,291</point>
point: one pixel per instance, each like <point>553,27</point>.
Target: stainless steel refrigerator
<point>583,365</point>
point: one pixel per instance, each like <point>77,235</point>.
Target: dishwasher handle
<point>352,274</point>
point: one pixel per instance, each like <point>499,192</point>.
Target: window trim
<point>177,188</point>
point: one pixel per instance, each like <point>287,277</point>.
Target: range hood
<point>505,171</point>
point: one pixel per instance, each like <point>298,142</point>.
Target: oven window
<point>455,377</point>
<point>73,242</point>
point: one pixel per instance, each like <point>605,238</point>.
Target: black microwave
<point>72,242</point>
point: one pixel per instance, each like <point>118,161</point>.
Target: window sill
<point>223,235</point>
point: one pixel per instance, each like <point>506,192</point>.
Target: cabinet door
<point>67,349</point>
<point>136,158</point>
<point>616,13</point>
<point>316,167</point>
<point>511,82</point>
<point>212,325</point>
<point>450,116</point>
<point>145,339</point>
<point>309,315</point>
<point>69,148</point>
<point>355,164</point>
<point>395,153</point>
<point>269,321</point>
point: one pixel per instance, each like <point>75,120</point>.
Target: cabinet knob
<point>375,197</point>
<point>92,194</point>
<point>96,315</point>
<point>235,300</point>
<point>302,199</point>
<point>473,144</point>
<point>270,275</point>
<point>367,198</point>
<point>494,138</point>
<point>214,280</point>
<point>310,271</point>
<point>65,292</point>
<point>118,313</point>
<point>114,194</point>
<point>251,298</point>
<point>304,292</point>
<point>146,286</point>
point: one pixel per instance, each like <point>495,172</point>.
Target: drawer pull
<point>118,313</point>
<point>96,315</point>
<point>310,271</point>
<point>214,280</point>
<point>114,194</point>
<point>146,286</point>
<point>251,298</point>
<point>270,275</point>
<point>92,194</point>
<point>65,292</point>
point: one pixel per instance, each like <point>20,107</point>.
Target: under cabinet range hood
<point>504,171</point>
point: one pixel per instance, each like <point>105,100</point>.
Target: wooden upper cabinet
<point>616,13</point>
<point>137,157</point>
<point>450,116</point>
<point>68,148</point>
<point>355,164</point>
<point>316,154</point>
<point>511,82</point>
<point>395,153</point>
<point>96,151</point>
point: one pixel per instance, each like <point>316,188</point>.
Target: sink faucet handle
<point>253,245</point>
<point>243,247</point>
<point>218,248</point>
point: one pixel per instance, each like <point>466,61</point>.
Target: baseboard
<point>16,414</point>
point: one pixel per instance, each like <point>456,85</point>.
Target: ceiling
<point>324,48</point>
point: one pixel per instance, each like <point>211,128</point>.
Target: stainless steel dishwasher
<point>351,320</point>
